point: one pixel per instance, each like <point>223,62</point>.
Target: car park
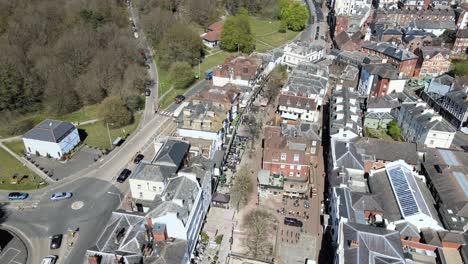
<point>138,158</point>
<point>17,196</point>
<point>179,99</point>
<point>49,259</point>
<point>292,222</point>
<point>124,175</point>
<point>60,196</point>
<point>56,241</point>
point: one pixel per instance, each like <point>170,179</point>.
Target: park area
<point>25,178</point>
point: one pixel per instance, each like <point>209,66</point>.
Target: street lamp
<point>118,194</point>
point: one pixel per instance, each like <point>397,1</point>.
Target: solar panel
<point>403,192</point>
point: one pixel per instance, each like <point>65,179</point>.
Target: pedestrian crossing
<point>165,113</point>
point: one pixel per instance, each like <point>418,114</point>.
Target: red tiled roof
<point>224,95</point>
<point>211,36</point>
<point>297,102</point>
<point>244,67</point>
<point>216,26</point>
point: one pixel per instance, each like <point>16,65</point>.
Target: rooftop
<point>382,102</point>
<point>388,150</point>
<point>203,115</point>
<point>241,67</point>
<point>302,48</point>
<point>50,130</point>
<point>391,51</point>
<point>307,79</point>
<point>384,70</point>
<point>432,24</point>
<point>346,112</point>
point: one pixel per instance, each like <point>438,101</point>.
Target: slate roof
<point>297,102</point>
<point>307,79</point>
<point>459,97</point>
<point>388,150</point>
<point>346,156</point>
<point>432,24</point>
<point>380,185</point>
<point>382,102</point>
<point>345,207</point>
<point>172,153</point>
<point>374,245</point>
<point>50,130</point>
<point>407,229</point>
<point>378,116</point>
<point>153,172</point>
<point>384,70</point>
<point>303,48</point>
<point>305,129</point>
<point>426,119</point>
<point>128,245</point>
<point>462,33</point>
<point>365,202</point>
<point>346,112</point>
<point>391,51</point>
<point>429,52</point>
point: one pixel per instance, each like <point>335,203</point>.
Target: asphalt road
<point>151,103</point>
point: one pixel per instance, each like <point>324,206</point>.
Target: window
<point>141,195</point>
<point>283,156</point>
<point>291,174</point>
<point>139,187</point>
<point>154,188</point>
<point>296,157</point>
<point>449,211</point>
<point>454,219</point>
<point>283,166</point>
<point>291,167</point>
<point>431,142</point>
<point>299,167</point>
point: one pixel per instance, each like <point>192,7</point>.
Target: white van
<point>49,260</point>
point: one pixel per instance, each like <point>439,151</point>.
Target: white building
<point>295,107</point>
<point>421,124</point>
<point>151,179</point>
<point>350,7</point>
<point>51,137</point>
<point>345,114</point>
<point>299,51</point>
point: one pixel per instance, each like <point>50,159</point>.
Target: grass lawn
<point>164,79</point>
<point>378,133</point>
<point>211,61</point>
<point>97,135</point>
<point>88,112</point>
<point>16,146</point>
<point>10,166</point>
<point>266,31</point>
<point>460,67</point>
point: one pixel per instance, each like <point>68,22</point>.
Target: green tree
<point>237,33</point>
<point>180,43</point>
<point>241,188</point>
<point>295,15</point>
<point>259,224</point>
<point>394,130</point>
<point>277,78</point>
<point>181,74</point>
<point>113,111</point>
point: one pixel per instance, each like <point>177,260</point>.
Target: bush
<point>283,27</point>
<point>219,239</point>
<point>394,130</point>
<point>182,75</point>
<point>114,112</point>
<point>204,237</point>
<point>135,102</point>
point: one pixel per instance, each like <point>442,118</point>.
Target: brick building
<point>288,157</point>
<point>433,61</point>
<point>461,41</point>
<point>403,59</point>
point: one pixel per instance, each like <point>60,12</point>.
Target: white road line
<point>4,253</point>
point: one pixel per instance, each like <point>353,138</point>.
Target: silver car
<point>60,196</point>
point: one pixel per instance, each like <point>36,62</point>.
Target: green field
<point>9,166</point>
<point>16,146</point>
<point>164,79</point>
<point>267,35</point>
<point>98,137</point>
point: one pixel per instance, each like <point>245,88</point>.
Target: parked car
<point>179,99</point>
<point>124,175</point>
<point>292,222</point>
<point>61,196</point>
<point>17,196</point>
<point>49,260</point>
<point>306,204</point>
<point>56,241</point>
<point>138,158</point>
<point>147,92</point>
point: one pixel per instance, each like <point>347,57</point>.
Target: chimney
<point>94,260</point>
<point>353,243</point>
<point>160,232</point>
<point>149,222</point>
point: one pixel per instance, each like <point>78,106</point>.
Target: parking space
<point>59,170</point>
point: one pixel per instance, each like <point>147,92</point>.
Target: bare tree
<point>260,225</point>
<point>242,188</point>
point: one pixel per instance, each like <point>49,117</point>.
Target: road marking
<point>11,258</point>
<point>77,205</point>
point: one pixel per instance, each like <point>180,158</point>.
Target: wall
<point>175,227</point>
<point>146,188</point>
<point>439,139</point>
<point>43,147</point>
<point>220,81</point>
<point>396,86</point>
<point>371,123</point>
<point>365,83</point>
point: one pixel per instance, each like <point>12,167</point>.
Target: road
<point>459,140</point>
<point>151,102</point>
<point>316,23</point>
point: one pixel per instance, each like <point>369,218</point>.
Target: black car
<point>56,241</point>
<point>292,222</point>
<point>124,175</point>
<point>179,99</point>
<point>138,158</point>
<point>147,92</point>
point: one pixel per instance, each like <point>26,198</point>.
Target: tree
<point>394,130</point>
<point>259,225</point>
<point>203,12</point>
<point>295,15</point>
<point>277,78</point>
<point>181,74</point>
<point>237,34</point>
<point>114,112</point>
<point>180,43</point>
<point>241,188</point>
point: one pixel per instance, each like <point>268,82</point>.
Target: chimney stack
<point>160,232</point>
